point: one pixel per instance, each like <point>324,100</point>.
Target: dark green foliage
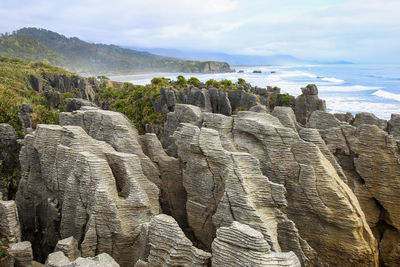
<point>194,81</point>
<point>223,84</point>
<point>241,81</point>
<point>180,81</point>
<point>285,100</point>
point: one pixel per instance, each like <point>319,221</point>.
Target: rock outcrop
<point>25,120</point>
<point>170,247</point>
<point>370,158</point>
<point>74,185</point>
<point>369,118</point>
<point>394,126</point>
<point>21,254</point>
<point>68,246</point>
<point>9,164</point>
<point>308,102</point>
<point>9,222</point>
<point>241,245</point>
<point>58,259</point>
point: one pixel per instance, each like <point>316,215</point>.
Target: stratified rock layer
<point>241,245</point>
<point>74,185</point>
<point>370,159</point>
<point>170,247</point>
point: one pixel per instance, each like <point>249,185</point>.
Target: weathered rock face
<point>21,254</point>
<point>224,186</point>
<point>369,118</point>
<point>286,117</point>
<point>74,185</point>
<point>68,246</point>
<point>241,245</point>
<point>394,126</point>
<point>345,117</point>
<point>308,102</point>
<point>9,222</point>
<point>58,259</point>
<point>9,164</point>
<point>370,157</point>
<point>77,103</point>
<point>25,120</point>
<point>173,194</point>
<point>319,202</point>
<point>170,247</point>
<point>115,129</point>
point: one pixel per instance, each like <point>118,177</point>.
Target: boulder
<point>54,99</point>
<point>369,118</point>
<point>322,120</point>
<point>240,245</point>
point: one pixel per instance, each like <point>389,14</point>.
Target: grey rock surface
<point>9,222</point>
<point>25,120</point>
<point>286,116</point>
<point>69,246</point>
<point>77,103</point>
<point>369,118</point>
<point>308,102</point>
<point>58,259</point>
<point>21,253</point>
<point>74,185</point>
<point>170,247</point>
<point>394,126</point>
<point>241,245</point>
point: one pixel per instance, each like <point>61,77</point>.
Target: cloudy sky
<point>365,31</point>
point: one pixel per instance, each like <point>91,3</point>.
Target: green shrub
<point>285,99</point>
<point>194,81</point>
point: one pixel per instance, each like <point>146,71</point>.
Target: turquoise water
<point>346,88</point>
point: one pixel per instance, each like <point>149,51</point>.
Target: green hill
<point>83,57</point>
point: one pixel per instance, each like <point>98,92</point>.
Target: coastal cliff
<point>241,176</point>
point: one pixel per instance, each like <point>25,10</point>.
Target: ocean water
<point>346,88</point>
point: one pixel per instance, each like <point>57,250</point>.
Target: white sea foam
<point>350,88</point>
<point>356,105</point>
<point>332,80</point>
<point>387,95</point>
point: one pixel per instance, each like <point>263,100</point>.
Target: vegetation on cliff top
<point>80,56</point>
<point>14,92</point>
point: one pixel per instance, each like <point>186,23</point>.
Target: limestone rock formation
<point>369,158</point>
<point>394,126</point>
<point>319,202</point>
<point>58,259</point>
<point>115,129</point>
<point>224,186</point>
<point>173,194</point>
<point>241,245</point>
<point>76,104</point>
<point>170,247</point>
<point>369,118</point>
<point>9,164</point>
<point>74,185</point>
<point>345,117</point>
<point>25,120</point>
<point>69,246</point>
<point>308,102</point>
<point>286,117</point>
<point>21,254</point>
<point>9,222</point>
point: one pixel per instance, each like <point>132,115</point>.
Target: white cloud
<point>352,30</point>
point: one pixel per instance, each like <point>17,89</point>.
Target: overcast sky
<point>355,30</point>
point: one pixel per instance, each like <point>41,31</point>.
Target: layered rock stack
<point>295,187</point>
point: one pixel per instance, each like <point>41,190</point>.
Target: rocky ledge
<point>296,187</point>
